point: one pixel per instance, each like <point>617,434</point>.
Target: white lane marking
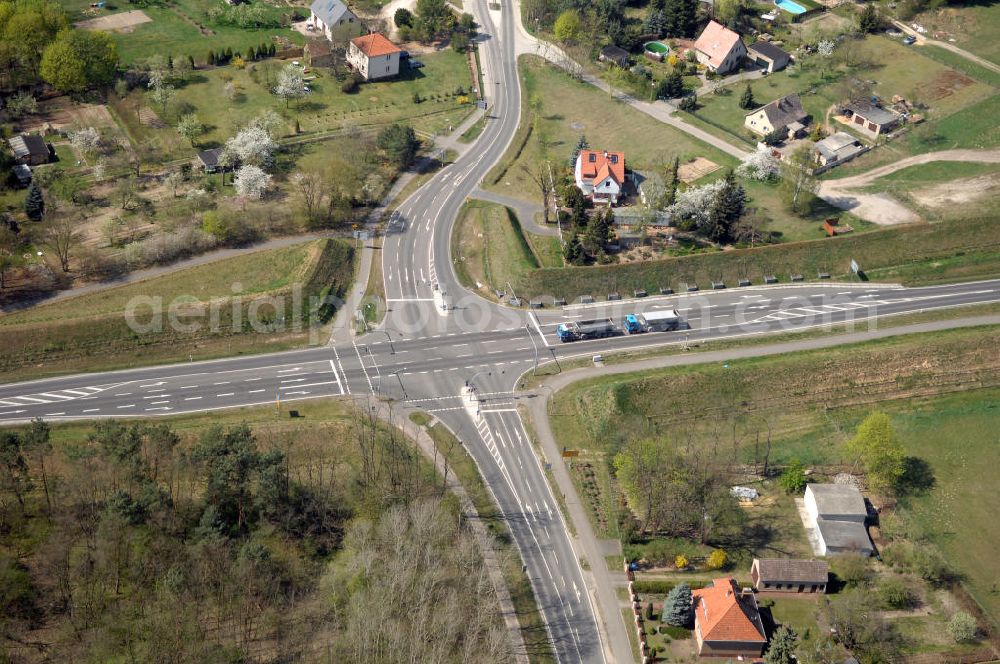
<point>288,387</point>
<point>156,396</point>
<point>79,393</point>
<point>30,399</point>
<point>302,392</point>
<point>54,414</point>
<point>158,408</point>
<point>131,405</point>
<point>192,398</point>
<point>333,368</point>
<point>293,380</point>
<point>156,384</point>
<point>91,410</point>
<point>371,388</point>
<point>289,370</point>
<point>223,382</point>
<point>154,403</point>
<point>123,394</point>
<point>534,319</point>
<point>188,387</point>
<point>347,384</point>
<point>255,391</point>
<point>226,394</point>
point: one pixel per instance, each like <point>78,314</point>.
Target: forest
<point>141,542</point>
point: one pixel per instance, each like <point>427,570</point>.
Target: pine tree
<point>677,609</point>
<point>747,100</point>
<point>228,55</point>
<point>191,61</point>
<point>170,62</point>
<point>649,610</point>
<point>783,644</point>
<point>34,205</point>
<point>211,58</point>
<point>573,251</point>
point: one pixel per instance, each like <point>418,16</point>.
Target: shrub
<point>962,627</point>
<point>681,561</point>
<point>793,480</point>
<point>403,17</point>
<point>675,632</point>
<point>350,85</point>
<point>852,569</point>
<point>717,559</point>
<point>896,593</point>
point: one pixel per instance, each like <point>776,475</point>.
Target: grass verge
<point>193,313</point>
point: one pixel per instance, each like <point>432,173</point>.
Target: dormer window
<point>592,158</point>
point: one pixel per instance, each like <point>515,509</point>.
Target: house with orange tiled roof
<point>373,56</point>
<point>720,49</point>
<point>600,175</point>
<point>727,621</point>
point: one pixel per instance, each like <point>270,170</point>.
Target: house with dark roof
<point>614,55</point>
<point>780,115</point>
<point>600,175</point>
<point>870,118</point>
<point>334,20</point>
<point>30,149</point>
<point>767,56</point>
<point>720,49</point>
<point>209,159</point>
<point>373,56</point>
<point>835,514</point>
<point>727,621</point>
<point>837,148</point>
<point>789,575</point>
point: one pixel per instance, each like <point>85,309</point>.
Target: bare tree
<point>62,237</point>
<point>539,175</point>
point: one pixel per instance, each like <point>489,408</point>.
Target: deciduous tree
<point>80,59</point>
<point>879,450</point>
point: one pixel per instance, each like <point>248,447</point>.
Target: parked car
<point>415,64</point>
<point>909,39</point>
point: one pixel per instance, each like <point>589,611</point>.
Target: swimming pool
<point>656,47</point>
<point>790,7</point>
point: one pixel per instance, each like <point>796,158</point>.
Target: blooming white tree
<point>190,127</point>
<point>290,84</point>
<point>695,203</point>
<point>251,182</point>
<point>252,146</point>
<point>268,121</point>
<point>825,47</point>
<point>86,140</point>
<point>759,165</point>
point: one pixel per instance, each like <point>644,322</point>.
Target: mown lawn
<point>174,29</point>
<point>939,389</point>
<point>490,249</point>
<point>895,70</point>
<point>557,110</point>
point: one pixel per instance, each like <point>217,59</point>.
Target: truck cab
<point>633,325</point>
<point>567,332</point>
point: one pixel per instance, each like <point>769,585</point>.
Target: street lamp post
<point>392,349</point>
<point>400,379</point>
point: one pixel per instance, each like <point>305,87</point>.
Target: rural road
<point>972,57</point>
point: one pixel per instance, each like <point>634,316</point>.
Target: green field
<point>896,70</point>
<point>940,390</point>
<point>916,248</point>
<point>180,28</point>
<point>490,249</point>
<point>326,109</point>
<point>91,331</point>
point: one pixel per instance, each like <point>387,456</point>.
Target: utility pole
<point>527,329</point>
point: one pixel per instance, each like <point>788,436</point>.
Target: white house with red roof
<point>720,49</point>
<point>727,621</point>
<point>600,175</point>
<point>373,56</point>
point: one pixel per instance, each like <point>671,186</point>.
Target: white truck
<point>653,321</point>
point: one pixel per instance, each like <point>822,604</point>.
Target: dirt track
<point>118,21</point>
<point>882,208</point>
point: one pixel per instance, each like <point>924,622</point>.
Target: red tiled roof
<point>722,615</point>
<point>596,166</point>
<point>716,41</point>
<point>374,45</point>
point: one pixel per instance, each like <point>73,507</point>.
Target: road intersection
<point>454,355</point>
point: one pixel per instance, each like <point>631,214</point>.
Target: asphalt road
<point>458,357</point>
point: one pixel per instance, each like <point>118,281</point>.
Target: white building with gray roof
<point>836,513</point>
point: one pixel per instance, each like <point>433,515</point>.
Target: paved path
<point>524,210</point>
<point>921,40</point>
<point>882,208</point>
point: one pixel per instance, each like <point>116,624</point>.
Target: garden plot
<point>122,22</point>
